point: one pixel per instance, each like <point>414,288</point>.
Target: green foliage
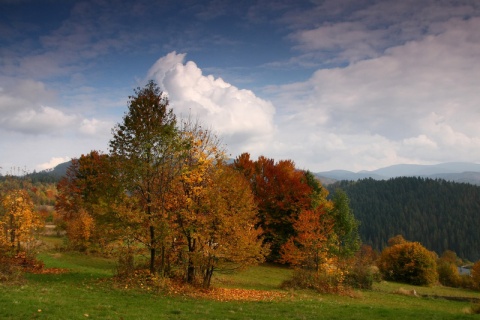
<point>439,214</point>
<point>347,240</point>
<point>408,262</point>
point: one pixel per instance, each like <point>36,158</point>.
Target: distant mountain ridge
<point>462,172</point>
<point>50,175</point>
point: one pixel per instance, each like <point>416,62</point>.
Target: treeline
<point>441,215</point>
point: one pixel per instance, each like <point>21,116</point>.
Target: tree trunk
<point>191,264</point>
<point>152,249</point>
<point>207,278</point>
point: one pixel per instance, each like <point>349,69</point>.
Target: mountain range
<point>462,172</point>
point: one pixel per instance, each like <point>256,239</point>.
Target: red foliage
<point>281,192</point>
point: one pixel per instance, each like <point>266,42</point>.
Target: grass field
<point>80,294</point>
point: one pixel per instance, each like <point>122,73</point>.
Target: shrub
<point>362,277</point>
<point>408,262</point>
<point>9,272</point>
<point>326,281</point>
<point>448,274</point>
<point>362,272</point>
<point>13,266</point>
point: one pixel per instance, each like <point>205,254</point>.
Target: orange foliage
<point>20,221</point>
<point>215,212</point>
<point>308,248</point>
<point>80,230</point>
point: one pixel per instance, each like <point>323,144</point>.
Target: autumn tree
<point>308,248</point>
<point>215,212</point>
<point>18,220</point>
<point>408,262</point>
<point>144,148</point>
<point>281,192</point>
<point>84,200</point>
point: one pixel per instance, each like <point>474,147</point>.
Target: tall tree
<point>144,147</point>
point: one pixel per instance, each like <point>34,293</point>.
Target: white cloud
<point>418,102</point>
<point>22,110</point>
<point>243,120</point>
<point>95,127</point>
<point>53,163</point>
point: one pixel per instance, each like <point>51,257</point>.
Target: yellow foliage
<point>80,230</point>
<point>19,220</point>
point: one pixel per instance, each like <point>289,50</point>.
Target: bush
<point>323,282</point>
<point>13,266</point>
<point>9,272</point>
<point>448,274</point>
<point>362,277</point>
<point>410,263</point>
<point>362,272</point>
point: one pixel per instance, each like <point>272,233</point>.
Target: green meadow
<point>86,292</point>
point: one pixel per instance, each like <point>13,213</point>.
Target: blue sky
<point>343,84</point>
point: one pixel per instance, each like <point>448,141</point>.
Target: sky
<point>334,84</point>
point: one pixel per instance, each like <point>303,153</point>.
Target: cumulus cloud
<point>243,120</point>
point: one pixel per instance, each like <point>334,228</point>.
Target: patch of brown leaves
<point>230,294</point>
<point>226,294</point>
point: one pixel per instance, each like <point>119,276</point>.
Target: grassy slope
<point>79,295</point>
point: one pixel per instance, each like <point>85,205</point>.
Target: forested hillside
<point>441,215</point>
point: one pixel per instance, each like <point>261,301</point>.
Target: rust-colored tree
<point>281,193</point>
